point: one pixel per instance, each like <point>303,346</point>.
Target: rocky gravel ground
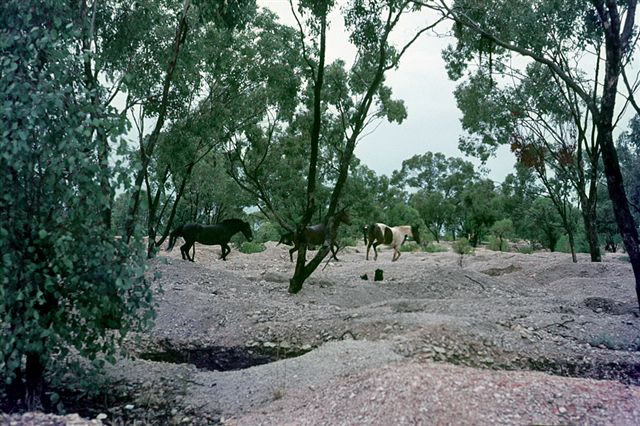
<point>506,338</point>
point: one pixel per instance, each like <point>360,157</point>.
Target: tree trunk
<point>572,246</point>
<point>302,272</point>
<point>616,44</point>
<point>34,382</point>
<point>146,151</point>
<point>591,231</point>
<point>622,213</point>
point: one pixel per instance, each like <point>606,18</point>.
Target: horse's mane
<point>233,221</point>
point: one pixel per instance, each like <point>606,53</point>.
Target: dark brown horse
<point>219,233</point>
<point>317,234</point>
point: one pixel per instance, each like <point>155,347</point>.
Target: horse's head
<point>245,228</point>
<point>343,217</point>
<point>415,233</point>
<point>173,236</point>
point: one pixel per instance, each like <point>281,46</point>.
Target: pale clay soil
<point>507,338</point>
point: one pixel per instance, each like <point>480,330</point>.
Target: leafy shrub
<point>496,244</point>
<point>462,247</point>
<point>267,232</point>
<point>432,247</point>
<point>348,241</point>
<point>410,246</point>
<point>67,285</point>
<point>526,249</point>
<point>249,247</point>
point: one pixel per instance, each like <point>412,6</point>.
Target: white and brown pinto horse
<point>379,233</point>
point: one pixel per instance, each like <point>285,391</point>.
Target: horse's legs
<point>333,252</point>
<point>182,251</point>
<point>291,251</point>
<point>225,251</point>
<point>375,250</point>
<point>396,254</point>
<point>368,247</point>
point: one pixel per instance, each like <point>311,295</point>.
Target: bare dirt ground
<point>507,338</point>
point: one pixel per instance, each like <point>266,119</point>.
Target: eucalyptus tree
<point>355,102</point>
<point>435,185</point>
<point>67,285</point>
<point>534,113</point>
<point>169,82</point>
<point>518,191</point>
<point>629,153</point>
<point>336,105</point>
<point>558,190</point>
<point>545,223</point>
<point>557,36</point>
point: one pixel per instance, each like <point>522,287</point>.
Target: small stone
<point>129,407</point>
<point>562,410</point>
<point>439,350</point>
<point>101,416</point>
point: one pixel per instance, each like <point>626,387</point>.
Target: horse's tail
<point>174,236</point>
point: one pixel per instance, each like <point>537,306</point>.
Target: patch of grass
<point>410,246</point>
<point>249,247</point>
<point>348,242</point>
<point>463,247</point>
<point>496,244</point>
<point>432,247</point>
<point>526,250</point>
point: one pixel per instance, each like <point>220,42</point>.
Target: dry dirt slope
<point>508,338</point>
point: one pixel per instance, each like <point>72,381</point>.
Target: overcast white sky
<point>433,122</point>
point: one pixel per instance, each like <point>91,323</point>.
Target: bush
<point>267,232</point>
<point>249,247</point>
<point>410,246</point>
<point>526,249</point>
<point>496,244</point>
<point>432,247</point>
<point>462,247</point>
<point>67,285</point>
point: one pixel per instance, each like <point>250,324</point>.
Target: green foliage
<point>526,249</point>
<point>440,183</point>
<point>545,223</point>
<point>249,247</point>
<point>463,248</point>
<point>348,241</point>
<point>267,231</point>
<point>496,244</point>
<point>432,247</point>
<point>410,246</point>
<point>501,230</point>
<point>66,282</point>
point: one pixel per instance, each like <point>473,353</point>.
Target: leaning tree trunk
<point>616,44</point>
<point>622,213</point>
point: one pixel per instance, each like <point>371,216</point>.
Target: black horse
<point>219,233</point>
